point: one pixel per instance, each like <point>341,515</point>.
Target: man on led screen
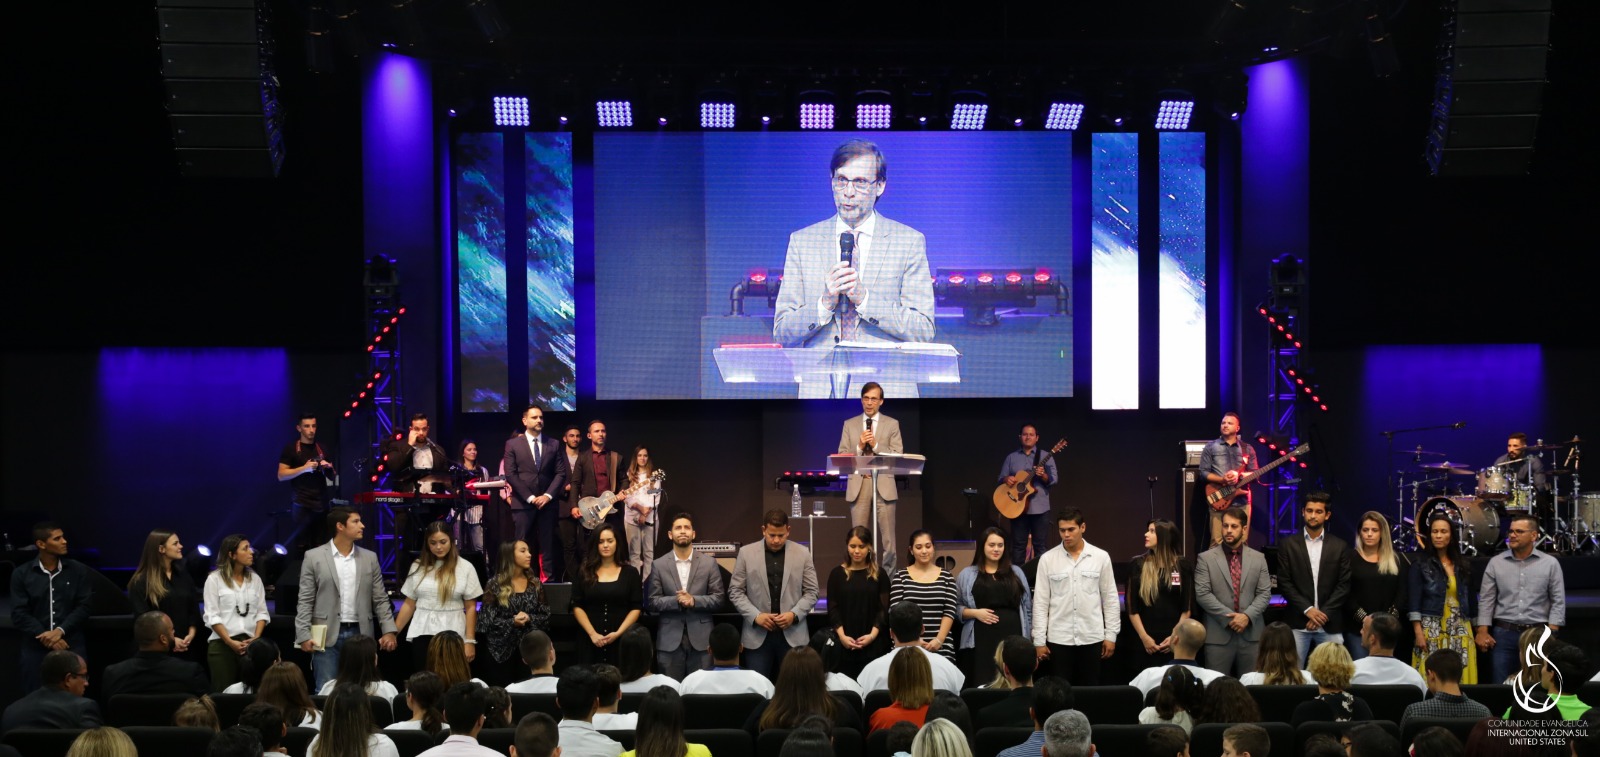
<point>855,277</point>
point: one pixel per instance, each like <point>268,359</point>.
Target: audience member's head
<point>1246,739</point>
<point>260,655</point>
<point>806,742</point>
<point>1588,744</point>
<point>1568,667</point>
<point>1330,664</point>
<point>578,693</point>
<point>358,661</point>
<point>1191,639</point>
<point>1227,701</point>
<point>1380,634</point>
<point>610,686</point>
<point>498,714</point>
<point>537,736</point>
<point>63,669</point>
<point>1278,658</point>
<point>826,644</point>
<point>725,643</point>
<point>1051,694</point>
<point>267,719</point>
<point>424,691</point>
<point>801,690</point>
<point>1179,692</point>
<point>197,712</point>
<point>102,742</point>
<point>1066,734</point>
<point>465,705</point>
<point>905,622</point>
<point>1443,668</point>
<point>284,685</point>
<point>537,651</point>
<point>347,723</point>
<point>1018,659</point>
<point>1322,745</point>
<point>900,737</point>
<point>660,731</point>
<point>152,632</point>
<point>951,707</point>
<point>910,678</point>
<point>447,656</point>
<point>1436,742</point>
<point>940,738</point>
<point>1369,740</point>
<point>1167,741</point>
<point>635,653</point>
<point>238,741</point>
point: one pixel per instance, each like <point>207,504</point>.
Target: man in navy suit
<point>536,468</point>
<point>685,588</point>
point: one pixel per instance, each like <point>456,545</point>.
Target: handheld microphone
<point>868,450</point>
<point>847,250</point>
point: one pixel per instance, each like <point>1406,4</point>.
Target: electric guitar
<point>1012,499</point>
<point>593,510</point>
<point>1220,496</point>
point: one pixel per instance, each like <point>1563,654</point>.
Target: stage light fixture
<point>716,115</point>
<point>979,292</point>
<point>969,110</point>
<point>873,115</point>
<point>1063,116</point>
<point>1287,279</point>
<point>1174,113</point>
<point>759,283</point>
<point>816,115</point>
<point>614,113</point>
<point>510,110</point>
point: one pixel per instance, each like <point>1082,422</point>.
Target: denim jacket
<point>1429,582</point>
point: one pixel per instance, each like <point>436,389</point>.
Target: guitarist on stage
<point>1222,463</point>
<point>596,471</point>
<point>1036,520</point>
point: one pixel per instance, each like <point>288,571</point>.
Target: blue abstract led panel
<point>1114,272</point>
<point>1182,283</point>
<point>480,231</point>
<point>551,325</point>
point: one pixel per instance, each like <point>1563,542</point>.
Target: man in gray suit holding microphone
<point>774,586</point>
<point>685,588</point>
<point>341,587</point>
<point>1233,588</point>
<point>855,277</point>
<point>870,433</point>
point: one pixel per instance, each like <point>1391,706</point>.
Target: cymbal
<point>1448,468</point>
<point>1421,451</point>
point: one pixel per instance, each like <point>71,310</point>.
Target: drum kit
<point>1569,517</point>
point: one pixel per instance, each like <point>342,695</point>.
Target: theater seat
<point>143,709</point>
<point>41,742</point>
<point>712,711</point>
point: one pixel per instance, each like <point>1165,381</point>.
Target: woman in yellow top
<point>1443,605</point>
<point>660,731</point>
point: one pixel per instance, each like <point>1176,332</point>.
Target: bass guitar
<point>593,510</point>
<point>1012,499</point>
<point>1220,496</point>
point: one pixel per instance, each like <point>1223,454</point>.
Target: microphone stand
<point>1152,480</point>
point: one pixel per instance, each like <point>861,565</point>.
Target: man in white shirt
<point>725,675</point>
<point>606,717</point>
<point>465,705</point>
<point>1076,615</point>
<point>1191,639</point>
<point>1380,632</point>
<point>539,654</point>
<point>578,696</point>
<point>905,622</point>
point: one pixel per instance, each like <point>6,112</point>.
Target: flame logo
<point>1525,695</point>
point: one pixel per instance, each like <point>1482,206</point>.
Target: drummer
<point>1516,462</point>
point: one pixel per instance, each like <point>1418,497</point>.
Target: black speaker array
<point>1490,87</point>
<point>221,89</point>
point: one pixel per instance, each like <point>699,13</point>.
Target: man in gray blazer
<point>1233,606</point>
<point>685,588</point>
<point>774,586</point>
<point>341,587</point>
<point>884,295</point>
<point>869,433</point>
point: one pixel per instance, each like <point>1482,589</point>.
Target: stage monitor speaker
<point>1489,90</point>
<point>1188,479</point>
<point>221,89</point>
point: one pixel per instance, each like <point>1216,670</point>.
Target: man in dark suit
<point>1018,661</point>
<point>595,472</point>
<point>1314,576</point>
<point>536,468</point>
<point>774,586</point>
<point>60,702</point>
<point>153,669</point>
<point>1233,588</point>
<point>685,588</point>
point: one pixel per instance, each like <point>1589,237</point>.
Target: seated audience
<point>104,741</point>
<point>1228,701</point>
<point>197,712</point>
<point>808,741</point>
<point>1250,740</point>
<point>1369,740</point>
<point>1050,696</point>
<point>358,664</point>
<point>1331,666</point>
<point>59,702</point>
<point>1322,745</point>
<point>827,646</point>
<point>1066,734</point>
<point>1277,660</point>
<point>154,669</point>
<point>284,686</point>
<point>536,736</point>
<point>1191,638</point>
<point>905,630</point>
<point>466,709</point>
<point>1444,680</point>
<point>1436,741</point>
<point>447,656</point>
<point>801,692</point>
<point>539,654</point>
<point>901,735</point>
<point>1167,741</point>
<point>348,729</point>
<point>607,718</point>
<point>578,697</point>
<point>1380,634</point>
<point>952,709</point>
<point>424,690</point>
<point>1018,661</point>
<point>660,731</point>
<point>238,741</point>
<point>258,656</point>
<point>725,675</point>
<point>1566,663</point>
<point>267,720</point>
<point>910,686</point>
<point>942,738</point>
<point>499,714</point>
<point>1178,700</point>
<point>636,653</point>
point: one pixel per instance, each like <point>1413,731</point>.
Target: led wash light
<point>873,115</point>
<point>614,113</point>
<point>1173,115</point>
<point>969,116</point>
<point>716,115</point>
<point>816,115</point>
<point>510,111</point>
<point>1064,116</point>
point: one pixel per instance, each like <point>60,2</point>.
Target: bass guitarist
<point>1035,521</point>
<point>1223,462</point>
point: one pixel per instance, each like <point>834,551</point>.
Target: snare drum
<point>1492,485</point>
<point>1521,500</point>
<point>1589,509</point>
<point>1476,523</point>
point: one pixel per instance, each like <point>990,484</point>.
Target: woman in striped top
<point>933,589</point>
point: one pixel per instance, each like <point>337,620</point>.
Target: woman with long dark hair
<point>855,603</point>
<point>608,596</point>
<point>1228,701</point>
<point>513,604</point>
<point>259,656</point>
<point>1378,579</point>
<point>636,655</point>
<point>161,583</point>
<point>660,731</point>
<point>1277,660</point>
<point>447,656</point>
<point>995,603</point>
<point>933,589</point>
<point>358,664</point>
<point>441,592</point>
<point>800,692</point>
<point>469,529</point>
<point>1160,594</point>
<point>1443,605</point>
<point>1178,700</point>
<point>236,609</point>
<point>284,687</point>
<point>424,689</point>
<point>348,729</point>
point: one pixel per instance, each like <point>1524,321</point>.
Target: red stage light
<point>361,396</point>
<point>370,346</point>
<point>385,329</point>
<point>759,278</point>
<point>354,405</point>
<point>985,278</point>
<point>394,320</point>
<point>369,384</point>
<point>347,413</point>
<point>376,375</point>
<point>374,479</point>
<point>401,311</point>
<point>1013,278</point>
<point>1324,408</point>
<point>377,339</point>
<point>956,278</point>
<point>1042,276</point>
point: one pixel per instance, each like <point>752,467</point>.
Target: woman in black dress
<point>855,603</point>
<point>162,584</point>
<point>1160,593</point>
<point>608,596</point>
<point>1377,579</point>
<point>995,603</point>
<point>513,604</point>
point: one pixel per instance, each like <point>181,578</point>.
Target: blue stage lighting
<point>816,115</point>
<point>510,111</point>
<point>1064,116</point>
<point>873,115</point>
<point>614,113</point>
<point>716,115</point>
<point>1174,114</point>
<point>969,115</point>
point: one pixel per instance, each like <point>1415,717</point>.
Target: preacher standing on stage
<point>856,276</point>
<point>866,434</point>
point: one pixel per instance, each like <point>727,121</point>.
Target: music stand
<point>871,466</point>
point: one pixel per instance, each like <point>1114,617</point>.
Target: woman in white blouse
<point>441,592</point>
<point>236,609</point>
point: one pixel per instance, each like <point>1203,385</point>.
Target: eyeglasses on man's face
<point>840,183</point>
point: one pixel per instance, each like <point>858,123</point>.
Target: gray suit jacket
<point>899,306</point>
<point>705,585</point>
<point>887,430</point>
<point>1213,591</point>
<point>748,592</point>
<point>319,594</point>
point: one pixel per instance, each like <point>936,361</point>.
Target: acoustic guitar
<point>1220,496</point>
<point>1012,499</point>
<point>593,510</point>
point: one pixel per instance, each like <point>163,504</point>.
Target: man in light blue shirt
<point>1522,588</point>
<point>1035,520</point>
<point>1050,696</point>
